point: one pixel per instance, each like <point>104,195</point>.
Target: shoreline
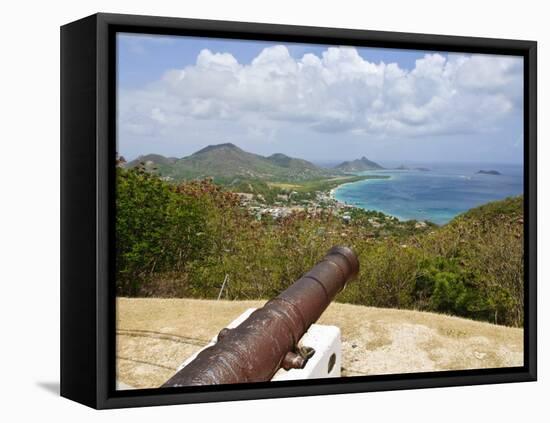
<point>338,202</point>
<point>332,191</point>
<point>341,204</point>
<point>344,205</point>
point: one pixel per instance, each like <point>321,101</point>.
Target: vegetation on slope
<point>184,240</point>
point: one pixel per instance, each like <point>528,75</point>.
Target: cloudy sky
<point>321,103</point>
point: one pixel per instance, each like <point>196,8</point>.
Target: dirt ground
<point>154,336</point>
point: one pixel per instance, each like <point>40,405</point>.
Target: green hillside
<point>227,162</point>
<point>285,161</point>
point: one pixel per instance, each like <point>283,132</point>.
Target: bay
<point>438,194</point>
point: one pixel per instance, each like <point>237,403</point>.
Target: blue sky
<point>145,58</point>
<point>321,103</point>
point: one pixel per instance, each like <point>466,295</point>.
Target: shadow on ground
<point>50,387</point>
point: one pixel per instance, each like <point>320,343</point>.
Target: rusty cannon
<point>268,339</point>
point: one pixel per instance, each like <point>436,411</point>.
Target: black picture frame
<point>88,106</point>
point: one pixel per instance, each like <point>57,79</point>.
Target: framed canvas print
<point>257,211</point>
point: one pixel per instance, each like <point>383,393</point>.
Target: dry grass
<point>155,335</point>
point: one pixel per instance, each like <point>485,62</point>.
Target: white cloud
<point>337,92</point>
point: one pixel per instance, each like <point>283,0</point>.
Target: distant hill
<point>227,161</point>
<point>358,165</point>
<point>283,160</point>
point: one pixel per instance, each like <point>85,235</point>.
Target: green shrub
<point>186,239</point>
<point>157,229</point>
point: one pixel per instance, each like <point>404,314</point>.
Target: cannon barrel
<point>268,339</point>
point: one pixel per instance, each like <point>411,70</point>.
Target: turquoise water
<point>437,195</point>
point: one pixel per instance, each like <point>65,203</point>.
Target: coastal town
<point>288,203</point>
<point>278,186</point>
<point>321,202</point>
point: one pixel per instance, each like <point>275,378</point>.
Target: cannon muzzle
<point>268,339</point>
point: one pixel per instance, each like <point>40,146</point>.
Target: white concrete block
<point>327,360</point>
<point>325,363</point>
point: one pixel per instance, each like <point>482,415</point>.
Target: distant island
<point>422,169</point>
<point>489,172</point>
<point>359,165</point>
